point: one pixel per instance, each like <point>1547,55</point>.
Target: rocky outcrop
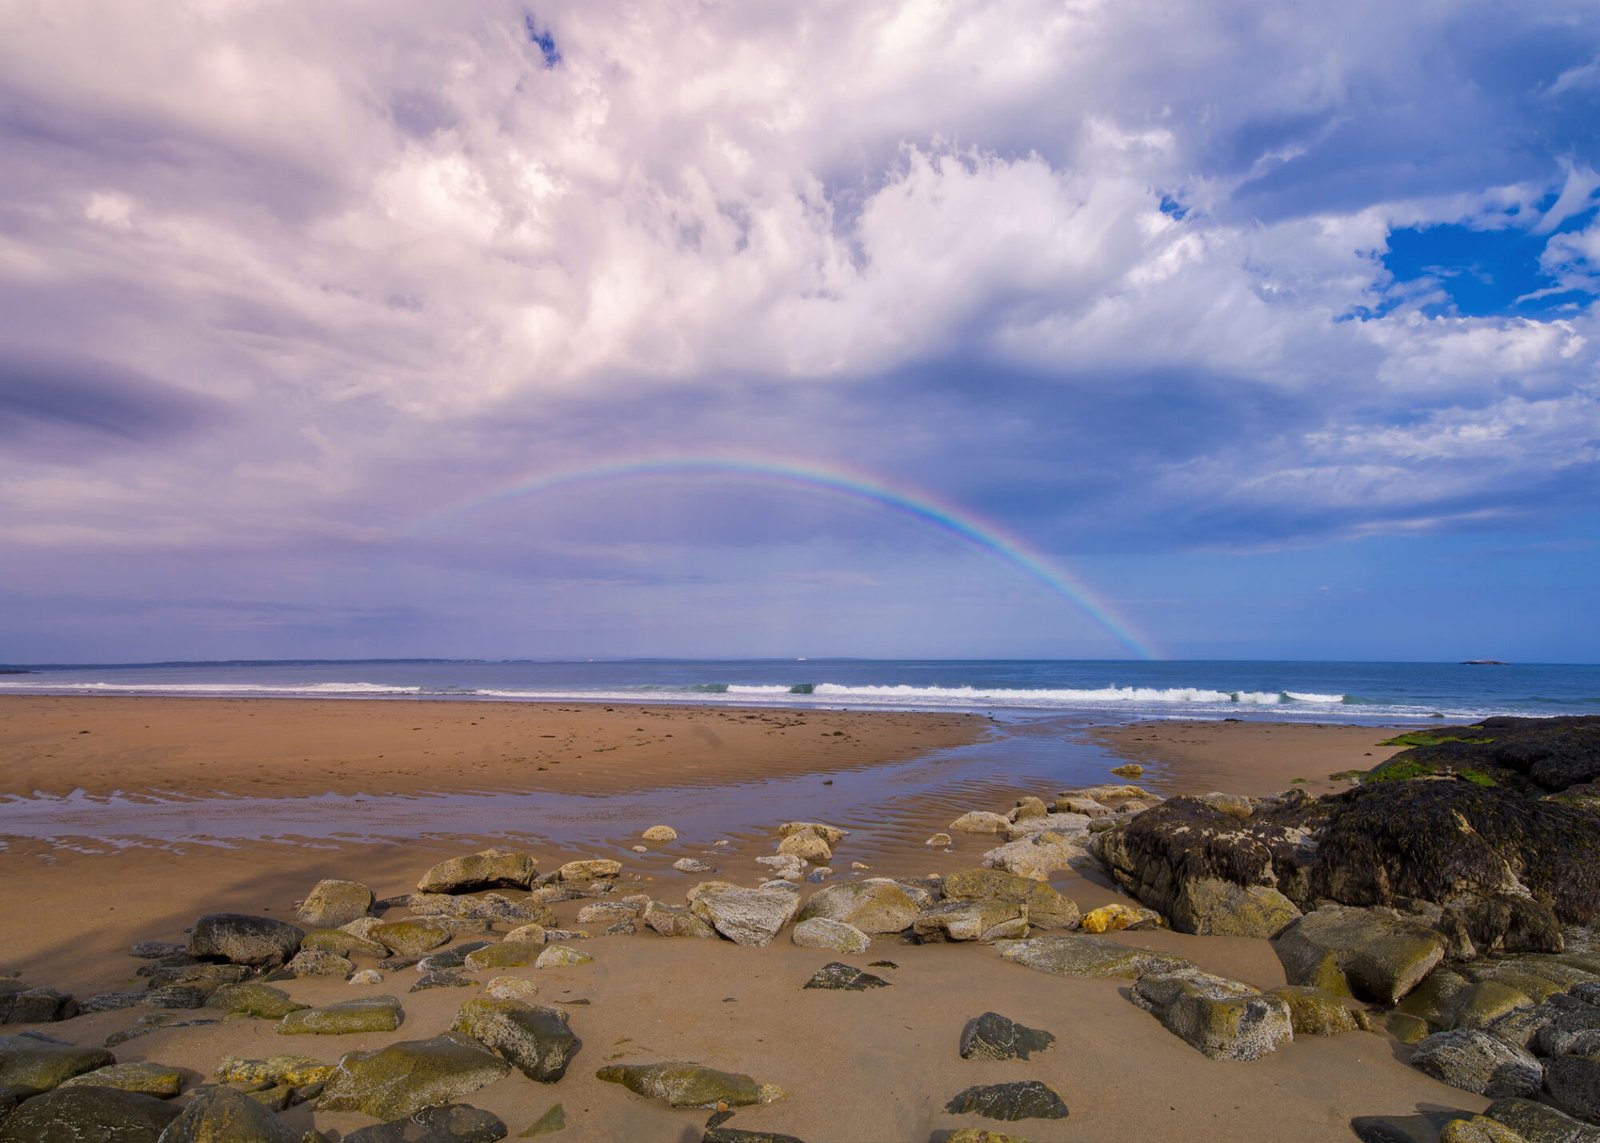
<point>1222,1018</point>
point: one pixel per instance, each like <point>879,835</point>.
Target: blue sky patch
<point>543,39</point>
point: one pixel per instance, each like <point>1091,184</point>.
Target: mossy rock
<point>506,954</point>
<point>1028,1099</point>
<point>395,1081</point>
<point>410,938</point>
<point>454,1123</point>
<point>341,943</point>
<point>222,1115</point>
<point>286,1070</point>
<point>1079,954</point>
<point>1314,1012</point>
<point>489,869</point>
<point>1047,909</point>
<point>252,998</point>
<point>41,1064</point>
<point>368,1014</point>
<point>88,1115</point>
<point>1221,1018</point>
<point>535,1038</point>
<point>683,1084</point>
<point>1378,956</point>
<point>145,1078</point>
<point>876,905</point>
<point>332,903</point>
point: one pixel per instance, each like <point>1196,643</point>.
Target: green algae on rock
<point>394,1081</point>
<point>683,1084</point>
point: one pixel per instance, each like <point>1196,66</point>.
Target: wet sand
<point>856,1066</point>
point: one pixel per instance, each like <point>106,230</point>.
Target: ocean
<point>1095,691</point>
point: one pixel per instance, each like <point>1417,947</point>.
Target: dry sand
<point>856,1066</point>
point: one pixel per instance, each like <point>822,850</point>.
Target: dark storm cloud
<point>94,400</point>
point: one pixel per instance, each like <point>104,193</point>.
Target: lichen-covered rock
<point>20,1005</point>
<point>938,840</point>
<point>1370,953</point>
<point>259,942</point>
<point>1047,909</point>
<point>507,954</point>
<point>683,1084</point>
<point>593,869</point>
<point>693,865</point>
<point>333,903</point>
<point>442,908</point>
<point>981,920</point>
<point>1028,1099</point>
<point>512,988</point>
<point>40,1063</point>
<point>876,905</point>
<point>1314,1012</point>
<point>676,921</point>
<point>89,1115</point>
<point>342,943</point>
<point>145,1078</point>
<point>453,957</point>
<point>444,978</point>
<point>489,869</point>
<point>994,1037</point>
<point>1222,1018</point>
<point>1077,954</point>
<point>807,845</point>
<point>1067,824</point>
<point>403,1078</point>
<point>1480,1005</point>
<point>222,1115</point>
<point>560,956</point>
<point>1116,917</point>
<point>1574,1084</point>
<point>746,916</point>
<point>368,1014</point>
<point>409,938</point>
<point>317,962</point>
<point>1541,1123</point>
<point>535,1039</point>
<point>281,1070</point>
<point>1478,1129</point>
<point>453,1123</point>
<point>1477,1061</point>
<point>660,834</point>
<point>833,835</point>
<point>1212,907</point>
<point>837,976</point>
<point>822,933</point>
<point>981,821</point>
<point>1039,855</point>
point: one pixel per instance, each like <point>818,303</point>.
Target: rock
<point>984,920</point>
<point>454,957</point>
<point>822,933</point>
<point>1082,955</point>
<point>1221,1018</point>
<point>1539,1123</point>
<point>1370,953</point>
<point>1210,906</point>
<point>807,845</point>
<point>1027,807</point>
<point>146,1079</point>
<point>39,1063</point>
<point>259,942</point>
<point>660,834</point>
<point>1066,824</point>
<point>153,1022</point>
<point>609,912</point>
<point>876,905</point>
<point>692,865</point>
<point>410,938</point>
<point>453,1123</point>
<point>341,943</point>
<point>316,962</point>
<point>833,835</point>
<point>289,1071</point>
<point>716,1133</point>
<point>1422,1128</point>
<point>444,978</point>
<point>1028,1099</point>
<point>368,1014</point>
<point>560,956</point>
<point>1476,1061</point>
<point>88,1115</point>
<point>222,1115</point>
<point>490,869</point>
<point>535,1039</point>
<point>35,1006</point>
<point>155,950</point>
<point>683,1084</point>
<point>1478,1129</point>
<point>403,1078</point>
<point>595,869</point>
<point>1314,1012</point>
<point>839,977</point>
<point>1480,1005</point>
<point>785,865</point>
<point>939,840</point>
<point>981,821</point>
<point>1038,855</point>
<point>176,996</point>
<point>1574,1084</point>
<point>366,976</point>
<point>334,903</point>
<point>1047,909</point>
<point>746,916</point>
<point>993,1037</point>
<point>676,921</point>
<point>1115,917</point>
<point>109,1002</point>
<point>439,907</point>
<point>512,988</point>
<point>1128,770</point>
<point>547,1124</point>
<point>506,954</point>
<point>1566,1031</point>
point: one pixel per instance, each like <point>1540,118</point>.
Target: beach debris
<point>19,1005</point>
<point>451,1123</point>
<point>995,1037</point>
<point>1480,1062</point>
<point>986,920</point>
<point>981,821</point>
<point>507,954</point>
<point>1372,954</point>
<point>876,905</point>
<point>318,962</point>
<point>692,865</point>
<point>146,1078</point>
<point>222,1113</point>
<point>938,840</point>
<point>259,942</point>
<point>1313,1012</point>
<point>1079,954</point>
<point>333,903</point>
<point>560,956</point>
<point>1221,1018</point>
<point>252,998</point>
<point>366,1014</point>
<point>410,938</point>
<point>494,868</point>
<point>534,1038</point>
<point>402,1078</point>
<point>1026,1099</point>
<point>1116,917</point>
<point>87,1113</point>
<point>36,1061</point>
<point>822,933</point>
<point>684,1084</point>
<point>594,869</point>
<point>745,916</point>
<point>1046,908</point>
<point>676,921</point>
<point>840,977</point>
<point>660,834</point>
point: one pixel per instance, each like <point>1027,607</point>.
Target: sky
<point>995,329</point>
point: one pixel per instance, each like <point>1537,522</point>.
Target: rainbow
<point>836,481</point>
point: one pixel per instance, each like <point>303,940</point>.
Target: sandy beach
<point>855,1066</point>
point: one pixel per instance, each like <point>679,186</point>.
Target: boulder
<point>1221,1018</point>
<point>1028,1099</point>
<point>660,834</point>
<point>1313,1012</point>
<point>403,1078</point>
<point>1478,1129</point>
<point>506,954</point>
<point>34,1005</point>
<point>444,978</point>
<point>1116,917</point>
<point>837,976</point>
<point>1213,907</point>
<point>833,835</point>
<point>252,998</point>
<point>1479,1062</point>
<point>1574,1085</point>
<point>334,903</point>
<point>594,869</point>
<point>982,920</point>
<point>368,1014</point>
<point>746,916</point>
<point>994,1037</point>
<point>822,933</point>
<point>807,845</point>
<point>490,869</point>
<point>88,1115</point>
<point>1540,1123</point>
<point>453,957</point>
<point>683,1084</point>
<point>676,921</point>
<point>981,821</point>
<point>288,1071</point>
<point>222,1115</point>
<point>442,907</point>
<point>453,1123</point>
<point>146,1079</point>
<point>342,943</point>
<point>1058,823</point>
<point>1372,954</point>
<point>410,938</point>
<point>317,962</point>
<point>512,988</point>
<point>876,905</point>
<point>535,1039</point>
<point>1046,908</point>
<point>560,956</point>
<point>1039,855</point>
<point>1076,954</point>
<point>259,942</point>
<point>40,1063</point>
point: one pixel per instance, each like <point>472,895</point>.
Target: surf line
<point>917,505</point>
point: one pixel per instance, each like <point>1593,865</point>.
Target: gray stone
<point>442,979</point>
<point>560,956</point>
<point>403,1078</point>
<point>988,920</point>
<point>1039,855</point>
<point>222,1115</point>
<point>35,1006</point>
<point>746,916</point>
<point>980,821</point>
<point>684,1084</point>
<point>692,865</point>
<point>409,938</point>
<point>259,942</point>
<point>1077,954</point>
<point>676,921</point>
<point>1369,953</point>
<point>1476,1061</point>
<point>453,1123</point>
<point>176,996</point>
<point>1539,1123</point>
<point>317,962</point>
<point>454,957</point>
<point>109,1002</point>
<point>334,903</point>
<point>1028,1099</point>
<point>993,1037</point>
<point>506,954</point>
<point>1574,1084</point>
<point>88,1115</point>
<point>822,933</point>
<point>490,869</point>
<point>534,1038</point>
<point>1221,1018</point>
<point>876,905</point>
<point>368,1014</point>
<point>842,977</point>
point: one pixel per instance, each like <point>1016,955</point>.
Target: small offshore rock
<point>1128,770</point>
<point>839,976</point>
<point>660,834</point>
<point>938,840</point>
<point>1028,1099</point>
<point>69,1114</point>
<point>692,865</point>
<point>1479,1062</point>
<point>560,956</point>
<point>222,1115</point>
<point>994,1037</point>
<point>833,835</point>
<point>980,821</point>
<point>333,903</point>
<point>403,1078</point>
<point>595,869</point>
<point>368,1014</point>
<point>684,1084</point>
<point>452,1123</point>
<point>822,933</point>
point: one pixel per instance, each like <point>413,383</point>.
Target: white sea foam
<point>43,683</point>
